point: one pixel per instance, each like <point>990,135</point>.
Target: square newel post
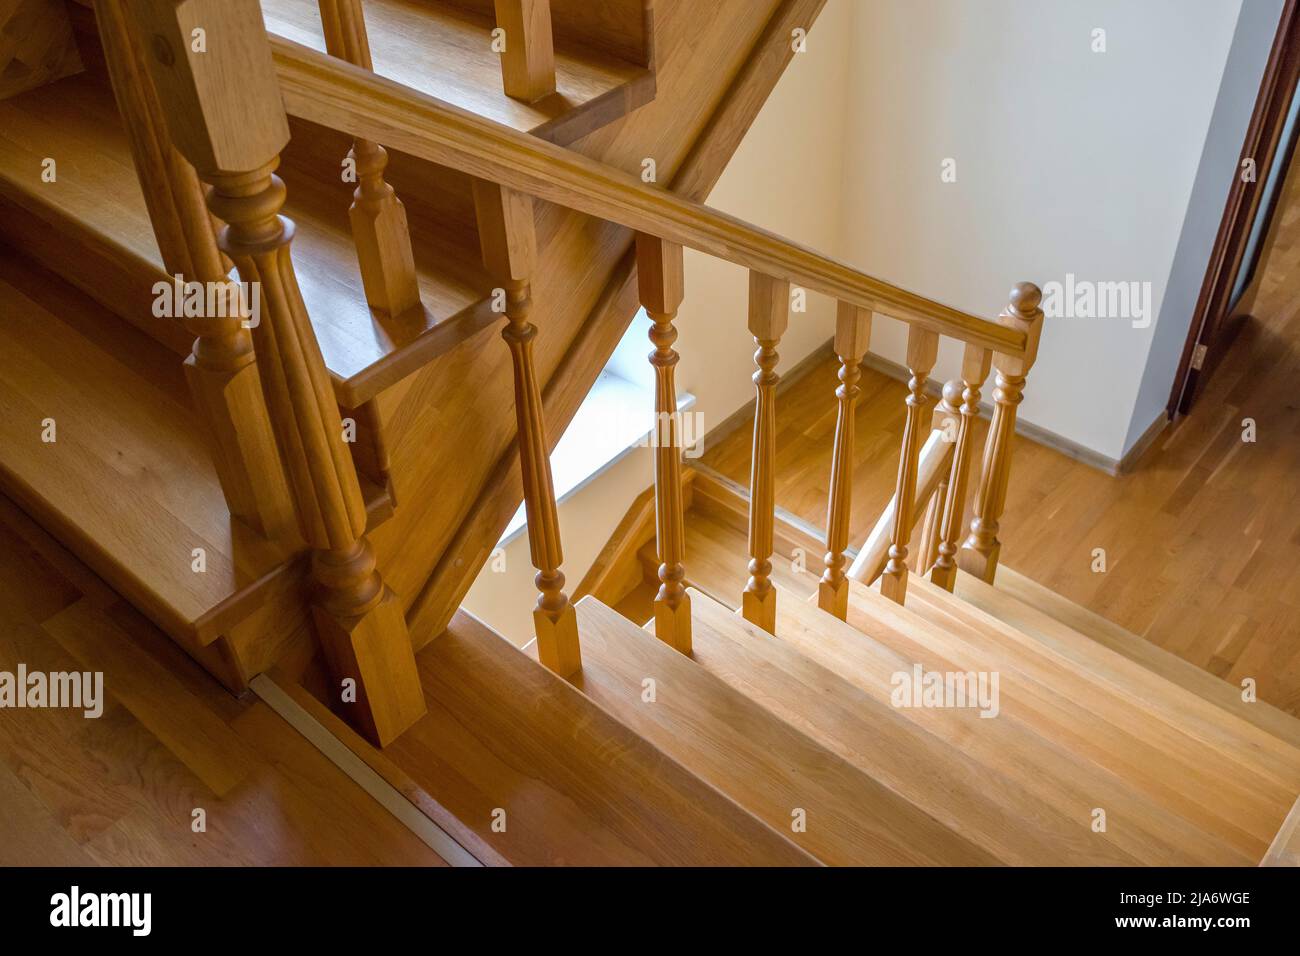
<point>922,350</point>
<point>226,117</point>
<point>979,555</point>
<point>660,280</point>
<point>769,316</point>
<point>852,337</point>
<point>508,238</point>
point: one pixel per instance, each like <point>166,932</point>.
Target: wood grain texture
<point>36,45</point>
<point>120,790</point>
<point>500,738</point>
<point>660,277</point>
<point>757,760</point>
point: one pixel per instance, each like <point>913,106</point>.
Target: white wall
<point>1068,161</point>
<point>1247,58</point>
<point>785,177</point>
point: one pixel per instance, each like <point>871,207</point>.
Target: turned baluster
<point>769,314</point>
<point>225,115</point>
<point>945,421</point>
<point>221,370</point>
<point>974,370</point>
<point>379,227</point>
<point>922,350</point>
<point>852,335</point>
<point>659,277</point>
<point>979,555</point>
<point>509,244</point>
<point>528,60</point>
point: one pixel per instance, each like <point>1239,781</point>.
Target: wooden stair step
<point>1041,612</point>
<point>109,250</point>
<point>754,757</point>
<point>128,484</point>
<point>1171,768</point>
<point>576,786</point>
<point>444,51</point>
<point>1235,740</point>
<point>970,798</point>
<point>1008,744</point>
<point>716,552</point>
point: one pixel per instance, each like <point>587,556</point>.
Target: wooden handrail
<point>336,94</point>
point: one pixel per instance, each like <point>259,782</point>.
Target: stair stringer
<point>451,427</point>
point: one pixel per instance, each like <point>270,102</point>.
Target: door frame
<point>1210,326</point>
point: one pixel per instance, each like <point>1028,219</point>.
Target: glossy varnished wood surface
<point>128,474</point>
<point>121,789</point>
<point>507,742</point>
<point>758,760</point>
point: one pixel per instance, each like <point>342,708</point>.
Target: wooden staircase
<point>309,495</point>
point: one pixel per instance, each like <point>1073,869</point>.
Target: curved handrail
<point>337,94</point>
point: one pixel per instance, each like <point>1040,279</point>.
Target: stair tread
<point>577,786</point>
<point>416,43</point>
<point>127,477</point>
<point>1231,736</point>
<point>967,796</point>
<point>752,755</point>
<point>715,552</point>
<point>75,122</point>
<point>1040,611</point>
<point>1072,784</point>
<point>1101,726</point>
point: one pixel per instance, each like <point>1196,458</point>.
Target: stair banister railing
<point>335,94</point>
<point>224,114</point>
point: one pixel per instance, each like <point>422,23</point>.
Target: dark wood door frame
<point>1209,332</point>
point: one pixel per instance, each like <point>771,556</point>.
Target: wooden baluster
<point>508,238</point>
<point>974,370</point>
<point>922,350</point>
<point>528,61</point>
<point>769,314</point>
<point>225,115</point>
<point>221,370</point>
<point>927,548</point>
<point>379,227</point>
<point>660,279</point>
<point>979,555</point>
<point>852,336</point>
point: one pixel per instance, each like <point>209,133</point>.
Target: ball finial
<point>952,393</point>
<point>1025,298</point>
